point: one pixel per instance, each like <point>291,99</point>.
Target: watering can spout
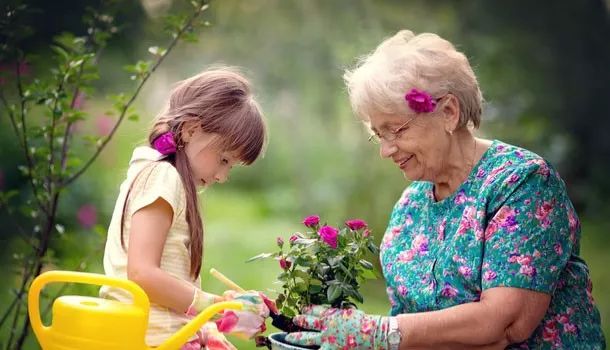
<point>180,338</point>
<point>81,322</point>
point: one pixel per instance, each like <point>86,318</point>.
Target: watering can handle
<point>140,298</point>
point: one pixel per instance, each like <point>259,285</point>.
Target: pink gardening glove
<point>248,321</point>
<point>209,339</point>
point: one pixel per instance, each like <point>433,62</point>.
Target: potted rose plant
<point>323,265</point>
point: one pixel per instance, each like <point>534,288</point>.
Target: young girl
<point>155,238</point>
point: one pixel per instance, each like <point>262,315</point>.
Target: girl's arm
<point>149,228</point>
<point>503,316</point>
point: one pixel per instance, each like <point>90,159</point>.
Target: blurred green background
<point>543,68</point>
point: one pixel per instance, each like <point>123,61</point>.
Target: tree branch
<point>135,95</point>
<point>23,143</point>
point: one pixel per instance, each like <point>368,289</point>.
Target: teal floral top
<point>510,224</point>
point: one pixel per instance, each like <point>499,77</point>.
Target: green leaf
<point>333,292</point>
<point>333,261</point>
<point>367,265</point>
<point>314,289</point>
<point>302,274</point>
<point>60,229</point>
<point>304,241</point>
<point>63,54</point>
<point>372,247</point>
<point>359,296</point>
<point>259,256</point>
<point>300,287</point>
<point>370,274</point>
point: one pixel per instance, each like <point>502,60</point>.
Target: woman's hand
<point>339,328</point>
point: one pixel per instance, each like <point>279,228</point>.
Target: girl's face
<point>209,164</point>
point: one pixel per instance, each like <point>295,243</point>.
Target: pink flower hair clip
<point>420,101</point>
<point>165,143</point>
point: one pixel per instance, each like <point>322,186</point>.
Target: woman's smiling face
<point>420,147</point>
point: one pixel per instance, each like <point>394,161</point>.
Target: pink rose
<point>293,238</point>
<point>285,264</point>
<point>311,221</point>
<point>280,242</point>
<point>420,101</point>
<point>355,224</point>
<point>329,235</point>
<point>165,143</point>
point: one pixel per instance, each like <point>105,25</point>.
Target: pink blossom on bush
<point>329,235</point>
<point>285,264</point>
<point>311,221</point>
<point>87,216</point>
<point>104,125</point>
<point>79,100</point>
<point>356,224</point>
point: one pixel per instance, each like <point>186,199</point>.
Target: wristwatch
<point>394,336</point>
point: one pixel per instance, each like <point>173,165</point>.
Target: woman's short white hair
<point>427,62</point>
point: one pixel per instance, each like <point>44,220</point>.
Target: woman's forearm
<point>164,289</point>
<point>472,325</point>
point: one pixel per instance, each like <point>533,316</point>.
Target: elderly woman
<point>482,248</point>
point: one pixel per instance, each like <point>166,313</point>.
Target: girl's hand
<point>209,338</point>
<point>340,328</point>
<point>248,321</point>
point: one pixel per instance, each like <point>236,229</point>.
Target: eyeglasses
<point>390,135</point>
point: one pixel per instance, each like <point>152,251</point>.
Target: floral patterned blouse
<point>510,224</point>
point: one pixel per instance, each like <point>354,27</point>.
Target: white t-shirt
<point>153,179</point>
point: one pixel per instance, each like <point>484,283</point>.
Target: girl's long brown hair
<point>220,101</point>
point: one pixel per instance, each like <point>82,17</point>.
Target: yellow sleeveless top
<point>150,179</point>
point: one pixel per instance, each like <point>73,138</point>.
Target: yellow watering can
<point>89,323</point>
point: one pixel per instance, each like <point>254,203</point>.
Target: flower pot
<point>278,342</point>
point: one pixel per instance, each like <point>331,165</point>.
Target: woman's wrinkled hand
<point>340,328</point>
